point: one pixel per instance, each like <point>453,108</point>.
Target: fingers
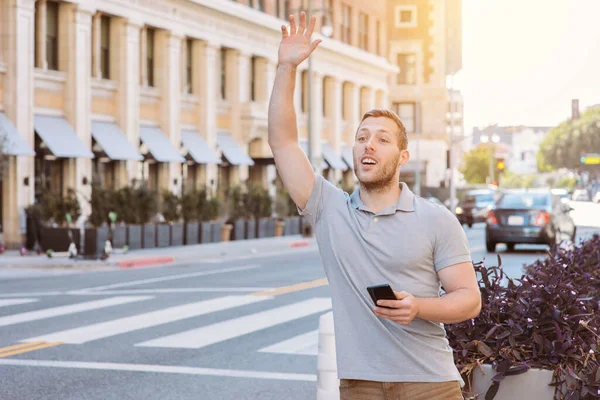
<point>293,27</point>
<point>302,23</point>
<point>401,295</point>
<point>284,31</point>
<point>311,27</point>
<point>314,45</point>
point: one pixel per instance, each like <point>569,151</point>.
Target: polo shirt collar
<point>405,202</point>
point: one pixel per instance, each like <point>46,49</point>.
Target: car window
<point>524,200</point>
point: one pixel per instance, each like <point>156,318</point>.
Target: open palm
<point>295,44</point>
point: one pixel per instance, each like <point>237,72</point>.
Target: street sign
<point>590,159</point>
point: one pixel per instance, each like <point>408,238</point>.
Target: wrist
<point>287,67</point>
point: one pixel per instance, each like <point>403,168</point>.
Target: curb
<point>146,262</point>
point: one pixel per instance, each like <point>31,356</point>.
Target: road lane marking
<point>19,346</point>
<point>293,288</point>
<point>14,302</point>
<point>173,290</point>
<point>106,329</point>
<point>21,294</point>
<point>305,344</point>
<point>229,329</point>
<point>69,309</point>
<point>230,373</point>
<point>27,347</point>
<point>168,278</point>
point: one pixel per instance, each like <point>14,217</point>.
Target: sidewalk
<point>167,255</point>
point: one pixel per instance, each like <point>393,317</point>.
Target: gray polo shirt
<point>404,245</point>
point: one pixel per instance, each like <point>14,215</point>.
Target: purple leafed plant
<point>547,319</point>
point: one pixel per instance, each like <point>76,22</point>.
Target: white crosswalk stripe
<point>128,324</point>
<point>14,302</point>
<point>211,334</point>
<point>306,344</point>
<point>70,309</point>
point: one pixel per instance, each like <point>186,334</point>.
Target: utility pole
<point>452,152</point>
<point>309,112</point>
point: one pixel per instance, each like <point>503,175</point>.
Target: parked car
<point>580,195</point>
<point>563,194</point>
<point>597,197</point>
<point>533,216</point>
<point>474,206</point>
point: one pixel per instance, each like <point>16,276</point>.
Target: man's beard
<point>383,179</point>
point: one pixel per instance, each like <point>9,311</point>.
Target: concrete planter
<point>163,235</point>
<point>532,385</point>
<point>149,236</point>
<point>292,226</point>
<point>191,232</point>
<point>271,227</point>
<point>134,237</point>
<point>177,234</point>
<point>94,240</point>
<point>57,239</point>
<point>205,232</point>
<point>262,228</point>
<point>215,231</point>
<point>250,229</point>
<point>119,236</point>
<point>239,230</point>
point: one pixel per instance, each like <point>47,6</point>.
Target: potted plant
<point>54,234</point>
<point>171,232</point>
<point>260,207</point>
<point>236,212</point>
<point>125,205</point>
<point>189,212</point>
<point>208,211</point>
<point>544,325</point>
<point>146,206</point>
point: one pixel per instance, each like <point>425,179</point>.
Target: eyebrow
<point>377,131</point>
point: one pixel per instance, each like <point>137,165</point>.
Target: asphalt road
<point>199,331</point>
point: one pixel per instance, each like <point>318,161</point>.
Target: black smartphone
<point>381,292</point>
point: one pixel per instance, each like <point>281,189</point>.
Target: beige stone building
<point>172,92</point>
<point>425,43</point>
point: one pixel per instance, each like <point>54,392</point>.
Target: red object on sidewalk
<point>146,262</point>
<point>301,243</point>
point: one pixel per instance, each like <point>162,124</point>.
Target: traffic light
<point>500,166</point>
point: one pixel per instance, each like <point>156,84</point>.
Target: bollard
<point>328,384</point>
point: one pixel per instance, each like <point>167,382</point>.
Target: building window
<point>345,23</point>
<point>150,56</point>
<point>253,79</point>
<point>223,73</point>
<point>406,16</point>
<point>327,13</point>
<point>188,64</point>
<point>259,5</point>
<point>52,35</point>
<point>278,8</point>
<point>408,115</point>
<point>286,9</point>
<point>105,47</point>
<point>363,31</point>
<point>408,69</point>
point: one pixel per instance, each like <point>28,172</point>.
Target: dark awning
<point>114,142</point>
<point>11,141</point>
<point>60,138</point>
<point>232,151</point>
<point>347,156</point>
<point>198,148</point>
<point>333,159</point>
<point>159,144</point>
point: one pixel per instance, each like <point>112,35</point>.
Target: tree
<point>475,164</point>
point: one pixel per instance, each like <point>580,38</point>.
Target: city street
<point>239,329</point>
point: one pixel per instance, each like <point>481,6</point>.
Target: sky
<point>524,60</point>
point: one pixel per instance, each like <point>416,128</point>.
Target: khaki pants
<point>354,389</point>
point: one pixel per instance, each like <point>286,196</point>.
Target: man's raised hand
<point>295,44</point>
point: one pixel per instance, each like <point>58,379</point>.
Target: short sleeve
<point>451,244</point>
<point>323,193</point>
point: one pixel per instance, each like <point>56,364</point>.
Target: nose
<point>370,143</point>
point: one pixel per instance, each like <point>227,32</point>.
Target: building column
<point>143,54</point>
<point>41,34</point>
<point>19,17</point>
<point>381,100</point>
<point>265,77</point>
<point>238,95</point>
<point>96,32</point>
<point>367,100</point>
<point>204,83</point>
<point>354,115</point>
<point>125,34</point>
<point>334,90</point>
<point>168,50</point>
<point>316,105</point>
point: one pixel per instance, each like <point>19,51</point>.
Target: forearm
<point>282,126</point>
<point>451,308</point>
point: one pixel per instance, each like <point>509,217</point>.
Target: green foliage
<point>211,209</point>
<point>284,205</point>
<point>475,164</point>
<point>170,207</point>
<point>102,202</point>
<point>259,203</point>
<point>564,144</point>
<point>3,155</point>
<point>54,208</point>
<point>513,181</point>
<point>236,203</point>
<point>566,183</point>
<point>145,203</point>
<point>189,206</point>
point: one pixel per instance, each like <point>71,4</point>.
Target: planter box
<point>119,236</point>
<point>205,232</point>
<point>532,385</point>
<point>250,229</point>
<point>134,237</point>
<point>271,227</point>
<point>177,234</point>
<point>191,232</point>
<point>292,226</point>
<point>163,235</point>
<point>216,231</point>
<point>149,236</point>
<point>94,240</point>
<point>262,228</point>
<point>239,230</point>
<point>57,239</point>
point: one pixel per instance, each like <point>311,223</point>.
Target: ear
<point>404,157</point>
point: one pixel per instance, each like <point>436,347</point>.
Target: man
<point>382,233</point>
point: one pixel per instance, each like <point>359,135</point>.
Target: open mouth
<point>366,160</point>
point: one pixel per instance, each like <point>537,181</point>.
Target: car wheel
<point>510,247</point>
<point>490,246</point>
<point>470,225</point>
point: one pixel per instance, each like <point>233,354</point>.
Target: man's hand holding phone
<point>402,311</point>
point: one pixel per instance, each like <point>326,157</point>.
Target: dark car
<point>533,216</point>
<point>473,207</point>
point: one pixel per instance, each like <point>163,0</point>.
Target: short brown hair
<point>380,112</point>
